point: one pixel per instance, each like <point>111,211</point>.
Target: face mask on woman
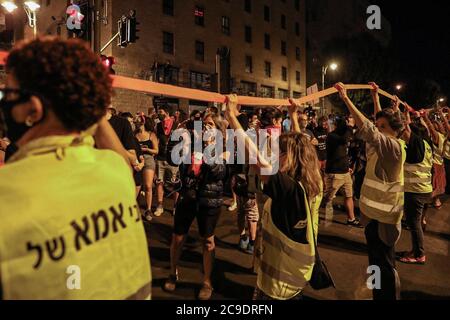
<point>14,130</point>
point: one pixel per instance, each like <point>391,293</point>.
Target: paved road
<point>342,247</point>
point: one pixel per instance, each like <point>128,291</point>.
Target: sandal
<point>171,283</point>
<point>205,292</point>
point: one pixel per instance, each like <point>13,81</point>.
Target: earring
<point>29,122</point>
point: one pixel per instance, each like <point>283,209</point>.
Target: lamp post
<point>30,8</point>
<point>332,66</point>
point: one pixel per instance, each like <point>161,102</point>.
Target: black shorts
<point>187,211</point>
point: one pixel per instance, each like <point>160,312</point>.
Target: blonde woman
<point>290,216</point>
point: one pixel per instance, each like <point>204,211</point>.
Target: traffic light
<point>132,27</point>
<point>122,26</point>
<point>108,62</point>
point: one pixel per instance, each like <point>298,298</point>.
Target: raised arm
<point>357,115</point>
<point>293,114</point>
<point>376,98</point>
<point>406,136</point>
<point>445,120</point>
<point>231,115</point>
<point>431,129</point>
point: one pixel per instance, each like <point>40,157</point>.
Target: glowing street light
<point>333,66</point>
<point>32,5</point>
<point>30,8</point>
<point>9,6</point>
<point>399,87</point>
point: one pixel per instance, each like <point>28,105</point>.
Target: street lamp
<point>9,6</point>
<point>30,8</point>
<point>398,87</point>
<point>333,66</point>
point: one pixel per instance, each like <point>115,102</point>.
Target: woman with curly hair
<point>66,206</point>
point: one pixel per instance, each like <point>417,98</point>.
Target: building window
<point>248,64</point>
<point>267,13</point>
<point>297,77</point>
<point>198,80</point>
<point>267,92</point>
<point>248,88</point>
<point>168,46</point>
<point>248,34</point>
<point>297,54</point>
<point>199,14</point>
<point>297,5</point>
<point>200,51</point>
<point>297,29</point>
<point>268,69</point>
<point>296,95</point>
<point>168,7</point>
<point>267,41</point>
<point>283,21</point>
<point>284,73</point>
<point>226,25</point>
<point>283,94</point>
<point>248,6</point>
<point>283,48</point>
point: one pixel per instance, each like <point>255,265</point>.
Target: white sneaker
<point>159,211</point>
<point>232,207</point>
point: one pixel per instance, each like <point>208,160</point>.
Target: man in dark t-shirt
<point>321,134</point>
<point>337,171</point>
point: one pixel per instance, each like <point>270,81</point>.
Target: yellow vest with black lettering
<point>418,176</point>
<point>446,153</point>
<point>438,150</point>
<point>70,227</point>
<point>380,200</point>
<point>285,266</point>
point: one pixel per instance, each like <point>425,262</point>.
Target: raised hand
<point>340,87</point>
<point>293,108</point>
<point>375,88</point>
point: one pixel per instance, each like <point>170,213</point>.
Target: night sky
<point>420,43</point>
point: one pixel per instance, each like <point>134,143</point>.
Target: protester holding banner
<point>382,197</point>
<point>55,93</point>
<point>418,186</point>
<point>439,137</point>
<point>289,215</point>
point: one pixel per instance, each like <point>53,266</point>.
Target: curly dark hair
<point>394,118</point>
<point>66,75</point>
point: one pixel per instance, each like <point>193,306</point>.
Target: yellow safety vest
<point>70,227</point>
<point>439,150</point>
<point>380,200</point>
<point>418,176</point>
<point>285,266</point>
<point>446,153</point>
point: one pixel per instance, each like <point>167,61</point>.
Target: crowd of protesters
<point>395,163</point>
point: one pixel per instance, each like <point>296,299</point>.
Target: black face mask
<point>14,130</point>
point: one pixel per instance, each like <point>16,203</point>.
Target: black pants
<point>383,256</point>
<point>415,204</point>
<point>447,175</point>
<point>359,180</point>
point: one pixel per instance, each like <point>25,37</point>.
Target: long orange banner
<point>156,88</point>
